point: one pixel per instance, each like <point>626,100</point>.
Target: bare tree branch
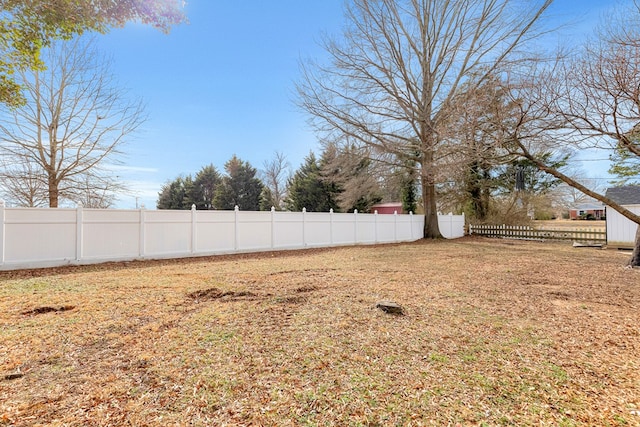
<point>74,120</point>
<point>275,175</point>
<point>398,68</point>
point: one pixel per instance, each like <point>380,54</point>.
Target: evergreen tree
<point>625,165</point>
<point>239,187</point>
<point>307,189</point>
<point>534,181</point>
<point>177,194</point>
<point>267,199</point>
<point>477,185</point>
<point>349,174</point>
<point>409,191</point>
<point>205,184</point>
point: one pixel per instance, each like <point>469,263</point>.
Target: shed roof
<point>387,205</point>
<point>625,195</point>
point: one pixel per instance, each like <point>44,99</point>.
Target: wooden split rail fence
<point>590,236</point>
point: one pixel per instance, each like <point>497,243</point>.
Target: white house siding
<point>621,232</point>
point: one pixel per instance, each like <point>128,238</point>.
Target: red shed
<point>387,208</point>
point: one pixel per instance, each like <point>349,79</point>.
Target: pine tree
<point>177,194</point>
<point>308,190</point>
<point>205,184</point>
<point>239,187</point>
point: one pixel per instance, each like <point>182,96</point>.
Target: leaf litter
<point>493,333</point>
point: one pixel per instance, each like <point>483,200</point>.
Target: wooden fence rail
<point>530,233</point>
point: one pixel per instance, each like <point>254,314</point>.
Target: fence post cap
<point>331,210</point>
<point>304,210</point>
<point>236,208</point>
<point>355,211</point>
<point>193,207</point>
<point>79,205</point>
<point>273,208</point>
<point>2,205</point>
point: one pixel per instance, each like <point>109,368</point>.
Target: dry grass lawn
<point>495,332</point>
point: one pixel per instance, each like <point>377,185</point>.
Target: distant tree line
<point>340,180</point>
<point>344,178</point>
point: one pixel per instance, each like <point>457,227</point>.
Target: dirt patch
<point>306,289</point>
<point>10,377</point>
<point>215,293</point>
<point>291,299</point>
<point>43,310</point>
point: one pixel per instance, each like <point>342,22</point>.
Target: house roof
<point>625,195</point>
<point>588,207</point>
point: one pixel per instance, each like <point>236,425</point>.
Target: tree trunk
<point>53,192</point>
<point>431,227</point>
<point>635,255</point>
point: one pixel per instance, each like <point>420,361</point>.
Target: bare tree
<point>400,65</point>
<point>567,197</point>
<point>26,26</point>
<point>589,100</point>
<point>350,169</point>
<point>75,118</point>
<point>93,191</point>
<point>275,175</point>
<point>22,183</point>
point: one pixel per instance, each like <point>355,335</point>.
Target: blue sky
<point>224,84</point>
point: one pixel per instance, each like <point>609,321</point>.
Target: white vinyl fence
<point>35,237</point>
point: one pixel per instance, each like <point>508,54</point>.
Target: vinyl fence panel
<point>167,233</point>
<point>34,237</point>
<point>365,228</point>
<point>451,226</point>
<point>386,228</point>
<point>38,236</point>
<point>343,229</point>
<point>216,232</point>
<point>288,230</point>
<point>110,234</point>
<point>254,231</point>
